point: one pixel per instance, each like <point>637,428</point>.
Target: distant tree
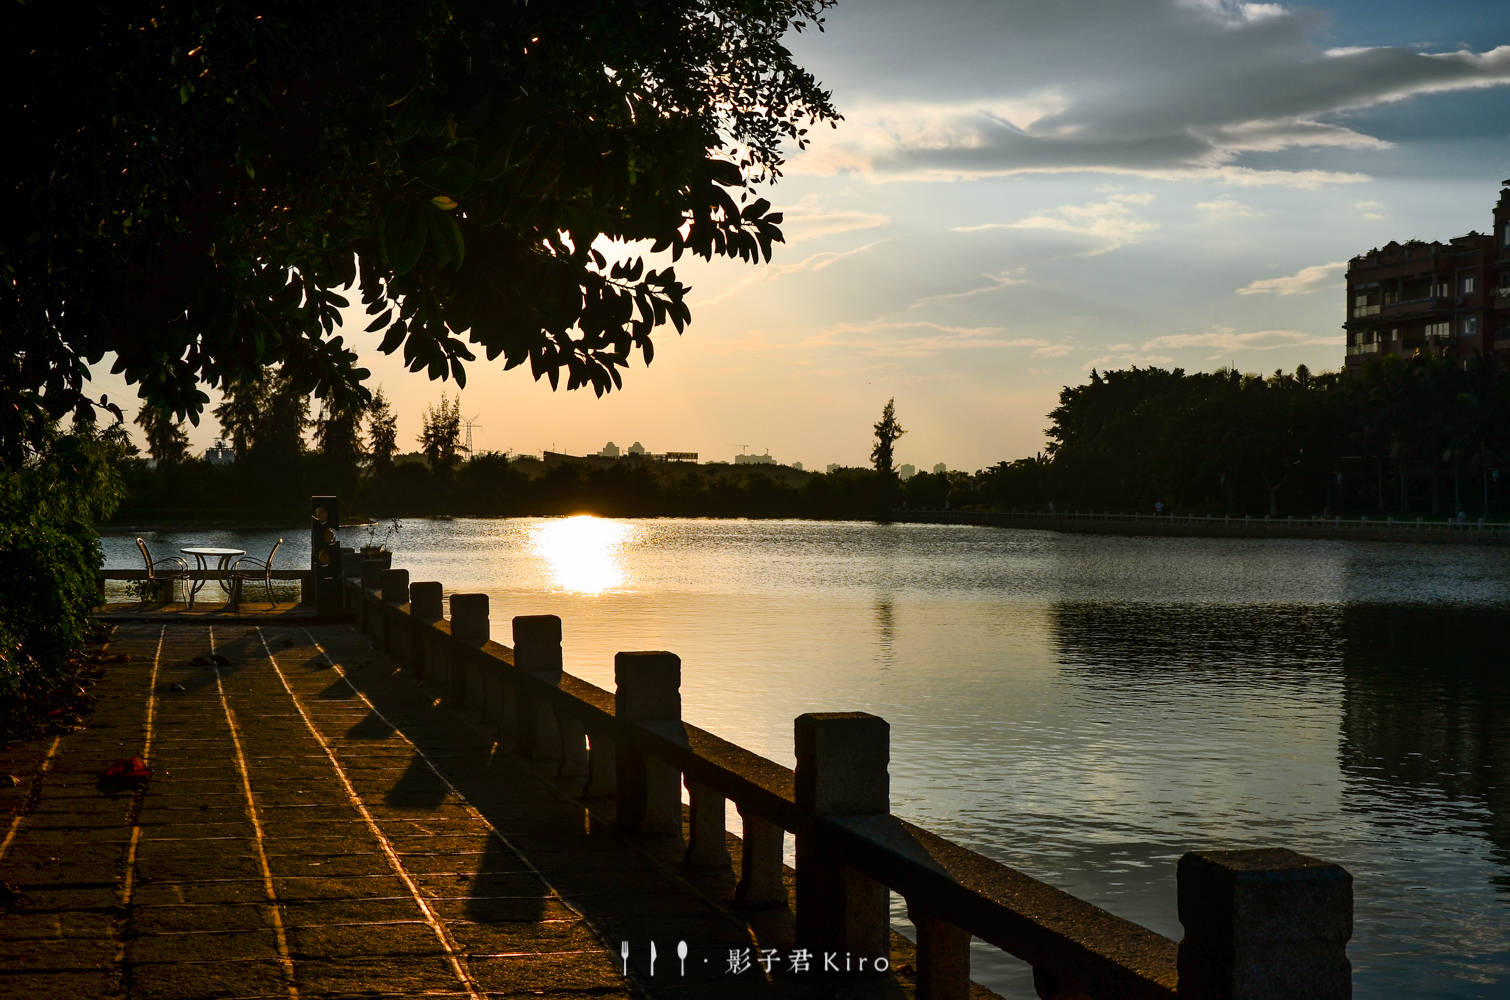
<point>382,431</point>
<point>284,419</point>
<point>338,432</point>
<point>440,434</point>
<point>887,432</point>
<point>240,411</point>
<point>166,440</point>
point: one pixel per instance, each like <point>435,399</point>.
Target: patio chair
<point>169,570</point>
<point>252,568</point>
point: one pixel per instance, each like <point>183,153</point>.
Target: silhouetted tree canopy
<point>198,183</point>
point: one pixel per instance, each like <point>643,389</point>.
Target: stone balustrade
<point>1258,923</point>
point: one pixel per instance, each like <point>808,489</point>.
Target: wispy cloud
<point>1373,211</point>
<point>770,272</point>
<point>1226,209</point>
<point>1127,359</point>
<point>918,338</point>
<point>1225,340</point>
<point>1109,225</point>
<point>809,219</point>
<point>1302,282</point>
<point>1009,278</point>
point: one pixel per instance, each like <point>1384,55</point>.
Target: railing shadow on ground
<point>1258,923</point>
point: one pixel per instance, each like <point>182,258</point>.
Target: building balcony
<point>1363,348</point>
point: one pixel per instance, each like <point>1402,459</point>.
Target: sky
<point>1023,191</point>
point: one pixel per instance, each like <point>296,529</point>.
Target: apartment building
<point>1450,299</point>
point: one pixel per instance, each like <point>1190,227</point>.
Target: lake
<point>1084,708</point>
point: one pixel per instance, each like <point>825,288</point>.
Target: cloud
<point>1127,359</point>
<point>1226,340</point>
<point>1302,282</point>
<point>1169,89</point>
<point>1009,278</point>
<point>917,338</point>
<point>1373,211</point>
<point>813,262</point>
<point>1109,225</point>
<point>809,220</point>
<point>1226,209</point>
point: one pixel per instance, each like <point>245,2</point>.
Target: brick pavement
<point>316,826</point>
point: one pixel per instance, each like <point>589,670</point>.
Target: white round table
<point>203,553</point>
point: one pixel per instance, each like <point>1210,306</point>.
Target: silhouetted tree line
<point>1403,436</point>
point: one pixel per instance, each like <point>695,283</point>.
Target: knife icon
<point>652,958</point>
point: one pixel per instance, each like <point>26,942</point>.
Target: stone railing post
<point>537,652</point>
<point>647,689</point>
<point>602,766</point>
<point>842,760</point>
<point>708,842</point>
<point>760,863</point>
<point>469,630</point>
<point>1264,923</point>
<point>469,618</point>
<point>427,606</point>
<point>393,585</point>
<point>943,956</point>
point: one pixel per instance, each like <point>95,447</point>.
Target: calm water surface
<point>1083,708</point>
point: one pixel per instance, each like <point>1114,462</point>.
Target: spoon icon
<point>681,953</point>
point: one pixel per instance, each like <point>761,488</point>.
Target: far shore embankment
<point>1438,530</point>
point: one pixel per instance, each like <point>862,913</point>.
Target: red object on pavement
<point>129,769</point>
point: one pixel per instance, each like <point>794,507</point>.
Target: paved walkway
<point>316,826</point>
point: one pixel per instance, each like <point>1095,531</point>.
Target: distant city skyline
<point>1049,187</point>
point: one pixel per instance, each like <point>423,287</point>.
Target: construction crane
<point>470,424</point>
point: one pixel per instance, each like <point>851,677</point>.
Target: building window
<point>1439,290</point>
<point>1470,283</point>
<point>1470,326</point>
<point>1437,330</point>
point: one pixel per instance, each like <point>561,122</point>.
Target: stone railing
<point>1258,923</point>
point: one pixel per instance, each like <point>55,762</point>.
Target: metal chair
<point>169,569</point>
<point>250,568</point>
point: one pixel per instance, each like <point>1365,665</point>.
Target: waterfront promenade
<point>316,824</point>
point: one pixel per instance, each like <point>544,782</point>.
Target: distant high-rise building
<point>764,459</point>
<point>636,449</point>
<point>831,468</point>
<point>906,472</point>
<point>1448,299</point>
<point>610,450</point>
<point>219,454</point>
<point>797,466</point>
<point>940,469</point>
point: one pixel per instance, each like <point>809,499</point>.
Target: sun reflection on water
<point>583,554</point>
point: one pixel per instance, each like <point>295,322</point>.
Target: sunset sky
<point>1023,191</point>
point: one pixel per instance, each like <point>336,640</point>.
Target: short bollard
<point>537,652</point>
<point>648,690</point>
<point>842,760</point>
<point>426,601</point>
<point>426,606</point>
<point>1264,923</point>
<point>394,586</point>
<point>469,618</point>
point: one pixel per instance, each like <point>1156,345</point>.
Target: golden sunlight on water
<point>582,554</point>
